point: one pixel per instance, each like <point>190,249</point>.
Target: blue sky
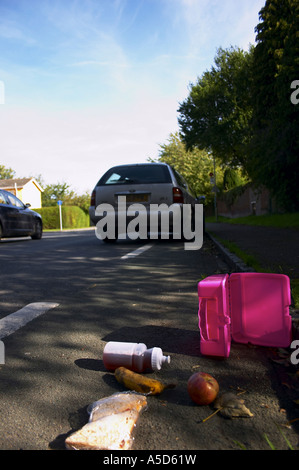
<point>93,83</point>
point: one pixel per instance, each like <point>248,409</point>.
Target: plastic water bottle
<point>133,356</point>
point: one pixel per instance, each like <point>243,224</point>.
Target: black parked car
<point>16,219</point>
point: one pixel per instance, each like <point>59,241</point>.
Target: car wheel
<point>37,235</point>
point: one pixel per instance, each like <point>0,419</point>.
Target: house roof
<point>19,182</point>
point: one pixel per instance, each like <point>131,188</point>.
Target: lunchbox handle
<point>208,318</point>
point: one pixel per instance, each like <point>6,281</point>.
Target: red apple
<point>202,388</point>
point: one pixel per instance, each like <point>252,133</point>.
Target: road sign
<point>59,203</point>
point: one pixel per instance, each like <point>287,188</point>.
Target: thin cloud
<point>10,30</point>
<point>98,82</point>
<point>84,63</point>
<point>209,23</point>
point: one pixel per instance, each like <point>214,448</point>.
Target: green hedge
<point>72,217</point>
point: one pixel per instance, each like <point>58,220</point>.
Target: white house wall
<point>31,195</point>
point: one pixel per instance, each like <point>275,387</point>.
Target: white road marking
<point>16,320</point>
<point>137,252</point>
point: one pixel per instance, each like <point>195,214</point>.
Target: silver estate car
<point>148,184</point>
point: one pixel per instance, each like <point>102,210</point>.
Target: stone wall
<point>245,201</point>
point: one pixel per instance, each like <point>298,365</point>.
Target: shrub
<point>72,217</point>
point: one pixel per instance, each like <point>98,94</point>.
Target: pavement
<point>275,250</point>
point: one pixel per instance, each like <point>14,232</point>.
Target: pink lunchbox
<point>246,307</point>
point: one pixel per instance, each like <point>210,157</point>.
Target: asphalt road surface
<point>53,365</point>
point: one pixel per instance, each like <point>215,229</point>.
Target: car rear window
<point>143,174</point>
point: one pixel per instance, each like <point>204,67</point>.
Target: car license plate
<point>137,198</point>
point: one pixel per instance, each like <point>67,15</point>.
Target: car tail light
<point>177,196</point>
<point>93,198</point>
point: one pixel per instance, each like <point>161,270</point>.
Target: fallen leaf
<point>211,415</point>
<point>230,406</point>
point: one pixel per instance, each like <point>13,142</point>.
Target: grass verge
<point>253,263</point>
<point>290,220</point>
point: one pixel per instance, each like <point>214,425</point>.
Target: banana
<point>139,383</point>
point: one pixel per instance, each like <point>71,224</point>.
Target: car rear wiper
<point>129,180</point>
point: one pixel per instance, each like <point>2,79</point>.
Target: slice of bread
<point>112,432</point>
<point>116,403</point>
<point>111,424</point>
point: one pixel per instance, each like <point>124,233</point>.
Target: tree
<point>194,165</point>
<point>232,178</point>
<point>217,112</point>
<point>274,148</point>
<point>82,201</point>
<point>55,192</point>
<point>6,173</point>
<point>62,191</point>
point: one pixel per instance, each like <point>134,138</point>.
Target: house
<point>26,189</point>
